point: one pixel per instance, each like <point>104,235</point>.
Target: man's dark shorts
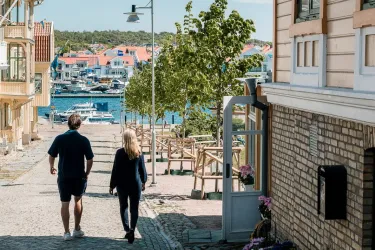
<point>71,186</point>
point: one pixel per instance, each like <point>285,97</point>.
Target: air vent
<point>314,140</point>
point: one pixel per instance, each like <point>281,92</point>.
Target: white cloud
<point>255,1</point>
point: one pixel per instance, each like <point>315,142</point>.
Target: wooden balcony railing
<point>17,88</point>
<point>17,32</point>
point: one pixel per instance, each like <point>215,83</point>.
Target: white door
<point>240,203</point>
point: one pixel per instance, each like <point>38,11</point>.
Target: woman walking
<point>129,177</point>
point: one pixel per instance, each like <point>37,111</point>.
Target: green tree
<point>138,93</point>
<point>218,41</point>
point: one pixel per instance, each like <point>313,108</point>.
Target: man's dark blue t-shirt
<point>72,149</point>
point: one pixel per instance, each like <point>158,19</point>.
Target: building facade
<point>18,78</point>
<point>323,113</point>
<point>44,55</point>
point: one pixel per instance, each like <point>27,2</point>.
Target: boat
<point>77,86</point>
<point>89,112</point>
<point>114,91</point>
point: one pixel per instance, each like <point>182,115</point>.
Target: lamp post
<point>133,18</point>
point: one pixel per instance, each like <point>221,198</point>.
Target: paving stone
<point>199,234</point>
<point>30,211</point>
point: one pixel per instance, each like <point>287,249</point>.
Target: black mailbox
<point>332,187</point>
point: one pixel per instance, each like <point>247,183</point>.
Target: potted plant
<point>265,207</point>
<point>246,177</point>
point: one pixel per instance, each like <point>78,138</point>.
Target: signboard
<point>120,53</point>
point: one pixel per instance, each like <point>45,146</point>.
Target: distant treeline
<point>81,40</point>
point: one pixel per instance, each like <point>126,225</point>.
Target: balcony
<point>18,32</point>
<point>17,90</point>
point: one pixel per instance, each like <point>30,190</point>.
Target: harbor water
<point>114,106</point>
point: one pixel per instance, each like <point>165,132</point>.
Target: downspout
<point>7,13</point>
<point>251,83</point>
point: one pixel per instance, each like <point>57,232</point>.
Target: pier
<point>87,95</point>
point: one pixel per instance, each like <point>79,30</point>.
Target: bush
<point>238,124</point>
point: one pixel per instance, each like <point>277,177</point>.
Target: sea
<point>114,106</point>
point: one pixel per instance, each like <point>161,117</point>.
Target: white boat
<point>77,86</point>
<point>89,112</point>
<point>114,91</point>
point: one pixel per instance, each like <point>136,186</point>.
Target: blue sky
<point>79,15</point>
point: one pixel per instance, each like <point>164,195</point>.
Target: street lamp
<point>133,18</point>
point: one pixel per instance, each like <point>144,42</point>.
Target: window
<point>38,83</point>
<point>364,71</point>
<point>308,61</point>
<point>307,10</point>
<point>368,4</point>
<point>17,64</point>
<point>67,66</point>
<point>67,74</point>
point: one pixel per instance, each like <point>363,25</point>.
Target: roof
<point>247,47</point>
<point>103,60</point>
<point>44,43</point>
<point>73,60</point>
<point>141,51</point>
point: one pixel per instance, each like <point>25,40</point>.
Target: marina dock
<point>88,95</point>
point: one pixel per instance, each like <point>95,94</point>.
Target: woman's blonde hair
<point>131,145</point>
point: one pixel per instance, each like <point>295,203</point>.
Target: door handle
<point>227,170</point>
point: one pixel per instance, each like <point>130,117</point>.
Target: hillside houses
<point>119,62</point>
<point>114,63</point>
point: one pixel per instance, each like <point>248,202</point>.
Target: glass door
<point>242,171</point>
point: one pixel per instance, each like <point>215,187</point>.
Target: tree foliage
<point>81,40</point>
<point>219,41</point>
<point>199,65</point>
<point>138,92</point>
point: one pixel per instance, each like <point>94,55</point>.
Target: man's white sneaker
<point>78,234</point>
<point>67,236</point>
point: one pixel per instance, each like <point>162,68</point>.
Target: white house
<point>115,67</point>
<point>72,67</point>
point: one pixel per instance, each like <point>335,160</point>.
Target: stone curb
<point>153,214</point>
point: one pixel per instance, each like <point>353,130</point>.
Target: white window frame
<point>309,76</point>
<point>364,76</point>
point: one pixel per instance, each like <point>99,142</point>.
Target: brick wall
<point>294,179</point>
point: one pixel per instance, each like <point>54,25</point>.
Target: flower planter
<point>146,153</point>
<point>186,172</point>
<point>214,196</point>
<point>249,188</point>
<point>175,172</point>
<point>162,160</point>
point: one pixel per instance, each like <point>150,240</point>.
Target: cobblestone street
<point>30,217</point>
<point>30,207</point>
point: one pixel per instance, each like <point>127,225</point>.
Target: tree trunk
<point>218,138</point>
<point>183,136</point>
<point>218,125</point>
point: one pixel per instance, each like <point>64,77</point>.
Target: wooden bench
<point>206,157</point>
<point>184,147</point>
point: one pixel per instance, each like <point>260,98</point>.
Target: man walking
<point>72,149</point>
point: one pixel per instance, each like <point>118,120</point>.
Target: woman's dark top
<point>126,173</point>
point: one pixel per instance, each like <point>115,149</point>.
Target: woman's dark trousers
<point>134,197</point>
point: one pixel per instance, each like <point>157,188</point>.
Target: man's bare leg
<point>78,209</point>
<point>65,215</point>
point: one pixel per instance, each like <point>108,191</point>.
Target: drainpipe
<point>251,83</point>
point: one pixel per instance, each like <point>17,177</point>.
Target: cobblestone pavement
<point>30,217</point>
<point>30,209</point>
